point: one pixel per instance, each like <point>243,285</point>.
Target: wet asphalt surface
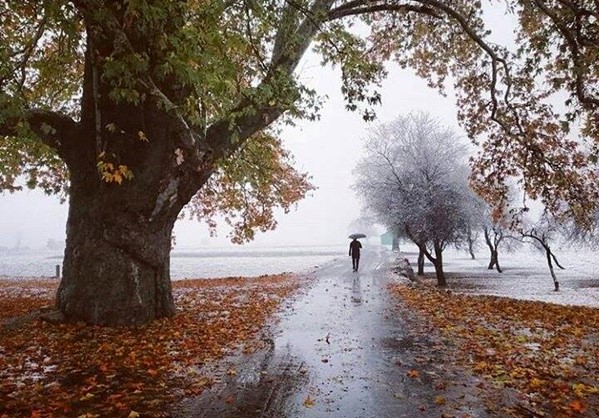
<point>339,350</point>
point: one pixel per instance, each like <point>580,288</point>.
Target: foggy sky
<point>327,149</point>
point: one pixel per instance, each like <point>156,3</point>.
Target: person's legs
<point>357,263</point>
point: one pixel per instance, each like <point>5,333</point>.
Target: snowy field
<point>525,274</point>
<point>194,262</point>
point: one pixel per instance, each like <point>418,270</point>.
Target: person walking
<point>354,252</point>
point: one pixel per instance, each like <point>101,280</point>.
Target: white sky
<point>328,149</point>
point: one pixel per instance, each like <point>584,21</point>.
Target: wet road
<point>337,351</point>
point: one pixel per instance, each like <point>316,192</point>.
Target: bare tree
<point>541,235</point>
<point>413,177</point>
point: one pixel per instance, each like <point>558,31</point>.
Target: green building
<point>389,238</point>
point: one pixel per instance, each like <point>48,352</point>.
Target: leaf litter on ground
<point>49,370</point>
<point>547,353</point>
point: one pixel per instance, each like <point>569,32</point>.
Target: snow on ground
<point>525,271</point>
<point>525,274</point>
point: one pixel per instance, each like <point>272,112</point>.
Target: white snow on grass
<point>525,274</point>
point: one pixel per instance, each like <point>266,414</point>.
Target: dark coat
<point>354,248</point>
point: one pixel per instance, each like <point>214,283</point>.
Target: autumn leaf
<point>309,402</point>
<point>117,371</point>
<point>479,325</point>
<point>577,406</point>
<point>133,414</point>
<point>87,396</point>
<point>413,373</point>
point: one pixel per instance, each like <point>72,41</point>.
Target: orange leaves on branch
<point>111,173</point>
<point>249,186</point>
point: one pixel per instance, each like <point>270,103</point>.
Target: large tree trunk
<point>114,272</point>
<point>116,265</point>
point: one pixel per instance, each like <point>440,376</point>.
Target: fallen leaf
<point>87,396</point>
<point>413,373</point>
<point>577,406</point>
<point>309,402</point>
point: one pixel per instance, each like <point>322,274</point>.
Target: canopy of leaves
<point>218,62</point>
<point>506,97</point>
<point>205,56</point>
<point>258,178</point>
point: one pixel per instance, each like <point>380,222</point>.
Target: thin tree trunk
<point>551,270</point>
<point>438,263</point>
<point>471,244</point>
<point>496,258</point>
<point>491,265</point>
<point>421,263</point>
<point>395,244</point>
<point>493,258</point>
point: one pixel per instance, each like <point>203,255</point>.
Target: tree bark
<point>494,250</point>
<point>494,261</point>
<point>496,257</point>
<point>470,240</point>
<point>493,258</point>
<point>438,263</point>
<point>551,270</point>
<point>114,274</point>
<point>116,265</point>
<point>421,263</point>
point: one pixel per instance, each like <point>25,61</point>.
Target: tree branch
<point>360,7</point>
<point>52,128</point>
<point>587,101</point>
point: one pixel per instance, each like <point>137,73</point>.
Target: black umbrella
<point>352,236</point>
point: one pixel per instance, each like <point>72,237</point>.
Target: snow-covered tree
<point>542,234</point>
<point>413,176</point>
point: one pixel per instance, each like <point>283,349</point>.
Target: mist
<point>327,149</point>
